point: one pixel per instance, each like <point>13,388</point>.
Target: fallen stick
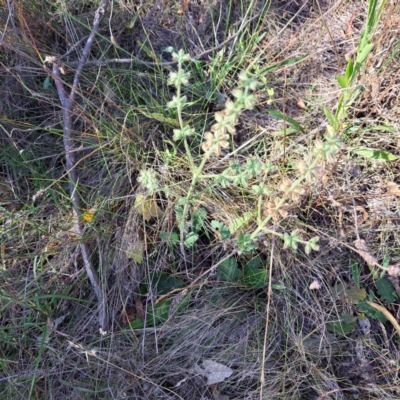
<point>67,102</point>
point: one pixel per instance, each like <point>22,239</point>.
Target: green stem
<point>196,175</point>
<point>180,120</point>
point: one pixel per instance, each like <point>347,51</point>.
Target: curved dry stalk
<point>267,313</point>
<point>67,101</point>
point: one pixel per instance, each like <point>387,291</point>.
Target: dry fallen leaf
<point>183,9</point>
<point>301,104</point>
<point>140,309</point>
<point>147,207</point>
<point>315,285</point>
<point>214,371</point>
<point>135,252</point>
<point>365,253</point>
<point>393,188</point>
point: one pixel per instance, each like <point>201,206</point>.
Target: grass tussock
<point>214,184</point>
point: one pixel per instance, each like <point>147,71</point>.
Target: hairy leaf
<point>228,270</point>
<point>386,291</point>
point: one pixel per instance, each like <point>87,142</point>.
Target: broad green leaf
<point>221,228</point>
<point>228,270</point>
<point>155,315</point>
<point>350,294</point>
<point>279,115</point>
<point>381,155</point>
<point>371,312</point>
<point>170,237</point>
<point>386,291</point>
<point>254,278</point>
<point>159,313</point>
<point>254,263</point>
<point>345,325</point>
<point>342,81</point>
<point>160,283</point>
<point>362,56</point>
<point>331,118</point>
<point>191,239</point>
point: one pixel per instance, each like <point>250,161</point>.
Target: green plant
<point>365,303</point>
<point>271,205</point>
<point>364,48</point>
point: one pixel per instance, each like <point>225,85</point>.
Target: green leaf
<point>228,270</point>
<point>238,222</point>
<point>342,81</point>
<point>282,64</point>
<point>285,132</point>
<point>135,252</point>
<point>278,286</point>
<point>380,155</point>
<point>293,122</point>
<point>371,312</point>
<point>355,273</point>
<point>182,201</point>
<point>191,239</point>
<point>46,82</point>
<point>222,229</point>
<point>312,245</point>
<point>179,214</point>
<point>155,315</point>
<point>254,277</point>
<point>224,179</point>
<point>253,167</point>
<point>350,294</point>
<point>241,180</point>
<point>170,237</point>
<point>331,118</point>
<point>345,324</point>
<point>291,241</point>
<point>254,263</point>
<point>245,243</point>
<point>349,70</point>
<point>160,283</point>
<point>198,218</point>
<point>361,57</point>
<point>386,291</point>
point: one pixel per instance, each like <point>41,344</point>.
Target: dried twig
<point>67,102</point>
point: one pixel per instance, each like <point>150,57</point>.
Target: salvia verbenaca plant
<point>272,201</point>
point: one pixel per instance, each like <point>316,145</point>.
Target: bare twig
<point>67,102</point>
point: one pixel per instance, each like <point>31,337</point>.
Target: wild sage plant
<point>271,206</point>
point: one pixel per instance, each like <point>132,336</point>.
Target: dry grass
<point>49,341</point>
